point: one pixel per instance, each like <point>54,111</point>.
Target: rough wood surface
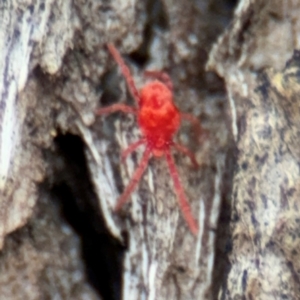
<point>60,171</point>
<point>265,123</point>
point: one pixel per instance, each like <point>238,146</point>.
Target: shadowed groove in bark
<point>156,19</point>
<point>73,191</point>
<point>223,243</point>
<point>111,92</point>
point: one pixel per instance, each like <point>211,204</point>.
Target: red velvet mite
<point>159,120</point>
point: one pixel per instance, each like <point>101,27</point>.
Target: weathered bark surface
<point>60,172</point>
<point>264,260</point>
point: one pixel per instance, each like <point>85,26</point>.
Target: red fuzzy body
<point>159,120</point>
<point>158,117</point>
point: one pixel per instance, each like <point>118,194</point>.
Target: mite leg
<point>187,152</point>
<point>162,76</point>
<point>183,203</point>
<point>125,71</point>
<point>114,108</point>
<point>135,179</point>
<point>131,148</point>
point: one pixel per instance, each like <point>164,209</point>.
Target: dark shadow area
<point>156,20</point>
<point>223,244</point>
<point>71,188</point>
<point>111,88</point>
<point>224,4</point>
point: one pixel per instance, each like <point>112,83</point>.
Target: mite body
<point>159,120</point>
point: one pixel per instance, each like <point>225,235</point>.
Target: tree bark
<point>265,124</point>
<point>60,168</point>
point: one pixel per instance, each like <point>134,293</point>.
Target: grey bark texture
<point>60,169</point>
<point>264,260</point>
